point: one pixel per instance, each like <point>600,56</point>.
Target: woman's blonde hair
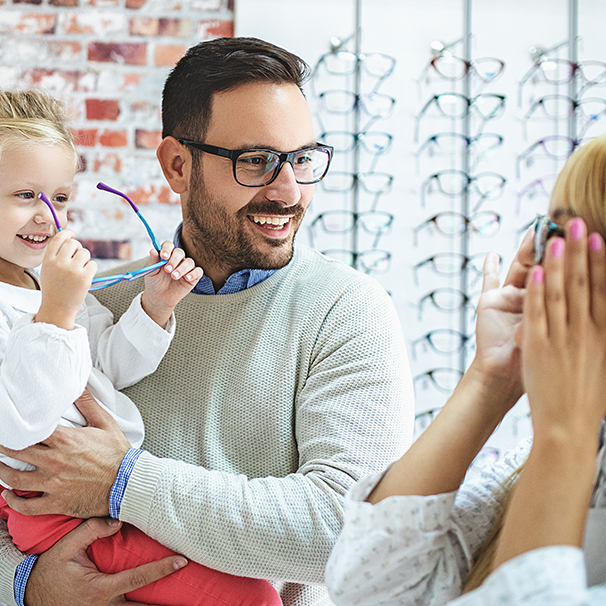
<point>34,116</point>
<point>581,185</point>
<point>580,188</point>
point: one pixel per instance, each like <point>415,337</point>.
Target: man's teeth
<point>271,220</point>
<point>35,238</point>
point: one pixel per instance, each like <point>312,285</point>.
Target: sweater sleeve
<point>43,370</point>
<point>130,349</point>
<point>353,414</point>
<point>408,550</point>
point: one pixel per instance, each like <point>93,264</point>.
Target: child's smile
<point>27,225</point>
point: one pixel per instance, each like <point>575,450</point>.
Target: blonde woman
<point>532,529</point>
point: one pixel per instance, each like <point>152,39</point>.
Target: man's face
<point>233,227</point>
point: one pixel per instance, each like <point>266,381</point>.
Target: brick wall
<point>107,60</point>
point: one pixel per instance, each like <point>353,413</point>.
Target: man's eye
<point>304,159</point>
<point>260,160</point>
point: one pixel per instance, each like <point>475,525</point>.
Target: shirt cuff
<point>117,492</point>
<point>21,576</point>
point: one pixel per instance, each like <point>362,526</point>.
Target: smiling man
<point>287,379</point>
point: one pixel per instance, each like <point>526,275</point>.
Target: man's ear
<point>175,160</point>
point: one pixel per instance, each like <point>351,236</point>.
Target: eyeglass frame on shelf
<point>470,102</point>
<point>467,223</point>
<point>463,341</point>
<point>357,218</point>
<point>469,181</point>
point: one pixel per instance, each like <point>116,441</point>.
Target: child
<point>56,340</point>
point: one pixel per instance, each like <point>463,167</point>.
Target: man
<point>286,381</point>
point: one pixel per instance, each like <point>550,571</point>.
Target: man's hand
<point>64,576</point>
<point>75,467</point>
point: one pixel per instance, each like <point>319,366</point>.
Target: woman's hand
<point>563,337</point>
<point>563,343</point>
<point>499,313</point>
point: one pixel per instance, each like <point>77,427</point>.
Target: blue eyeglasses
<point>105,281</point>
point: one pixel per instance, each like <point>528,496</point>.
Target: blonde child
<point>56,340</point>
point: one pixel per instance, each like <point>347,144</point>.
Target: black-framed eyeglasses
<point>453,182</point>
<point>372,182</point>
<point>376,105</point>
<point>374,142</point>
<point>371,261</point>
<point>105,281</point>
<point>449,143</point>
<point>444,379</point>
<point>485,223</point>
<point>457,106</point>
<point>345,63</point>
<point>443,341</point>
<point>560,107</point>
<point>544,228</point>
<point>452,264</point>
<point>259,167</point>
<point>448,300</point>
<point>375,222</point>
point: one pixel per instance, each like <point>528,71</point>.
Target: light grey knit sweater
<point>269,405</point>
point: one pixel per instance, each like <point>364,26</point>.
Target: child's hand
<point>167,286</point>
<point>65,278</point>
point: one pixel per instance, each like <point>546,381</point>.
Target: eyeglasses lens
<point>258,167</point>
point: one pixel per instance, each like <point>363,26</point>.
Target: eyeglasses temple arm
<point>46,201</point>
<point>151,234</point>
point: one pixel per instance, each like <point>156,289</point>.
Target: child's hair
<point>34,116</point>
<point>581,188</point>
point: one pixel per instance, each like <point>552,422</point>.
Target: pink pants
<point>194,585</point>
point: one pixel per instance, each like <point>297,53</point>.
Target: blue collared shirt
<point>241,280</point>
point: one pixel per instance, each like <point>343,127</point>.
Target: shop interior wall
<point>405,29</point>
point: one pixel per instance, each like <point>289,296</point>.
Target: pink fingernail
<point>557,248</point>
<point>577,229</point>
<point>537,275</point>
<point>595,242</point>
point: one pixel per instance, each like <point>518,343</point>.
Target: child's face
<point>26,223</point>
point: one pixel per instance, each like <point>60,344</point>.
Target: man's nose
<point>284,188</point>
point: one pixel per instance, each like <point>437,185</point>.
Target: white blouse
<point>43,368</point>
<point>418,550</point>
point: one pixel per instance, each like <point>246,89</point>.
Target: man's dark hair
<point>216,66</point>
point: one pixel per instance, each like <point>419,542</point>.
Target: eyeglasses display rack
<point>345,91</point>
<point>468,109</point>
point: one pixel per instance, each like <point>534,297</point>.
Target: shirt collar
<point>241,280</point>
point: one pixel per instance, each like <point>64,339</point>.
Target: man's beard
<point>222,238</point>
